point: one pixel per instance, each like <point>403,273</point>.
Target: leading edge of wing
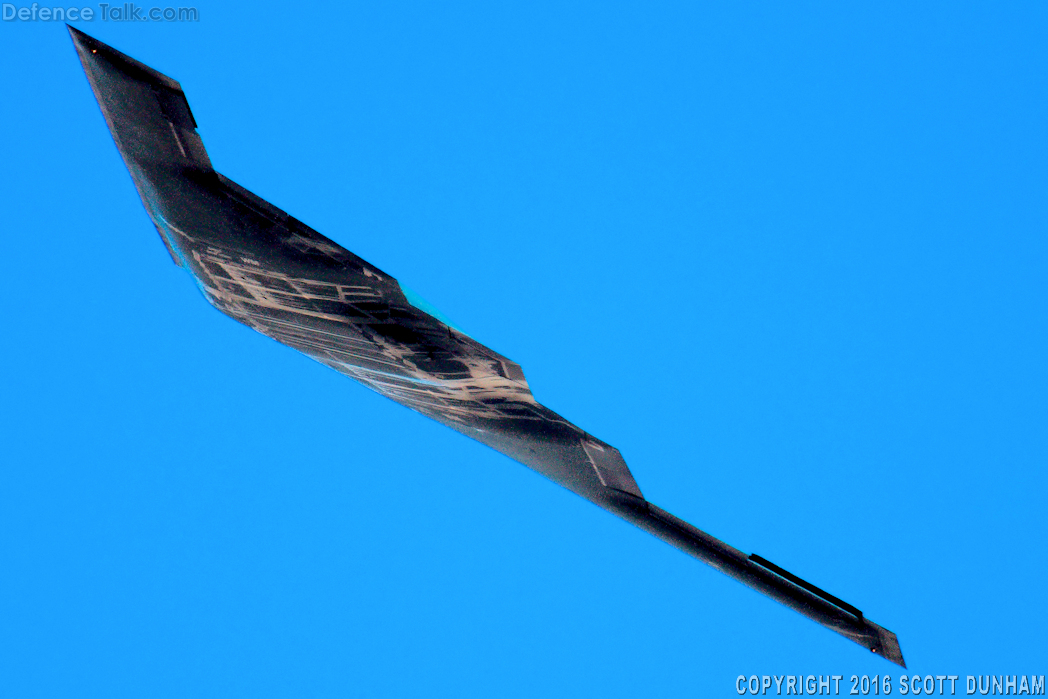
<point>149,118</point>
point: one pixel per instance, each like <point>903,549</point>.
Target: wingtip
<point>92,51</point>
<point>80,39</point>
<point>888,647</point>
<point>87,46</point>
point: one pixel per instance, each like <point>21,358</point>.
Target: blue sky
<point>789,259</point>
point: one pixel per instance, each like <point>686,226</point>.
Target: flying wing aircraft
<point>271,272</point>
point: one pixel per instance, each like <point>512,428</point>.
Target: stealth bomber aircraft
<point>271,272</point>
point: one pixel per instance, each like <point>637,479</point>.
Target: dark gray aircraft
<point>276,275</point>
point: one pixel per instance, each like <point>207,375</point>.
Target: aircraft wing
<point>271,272</point>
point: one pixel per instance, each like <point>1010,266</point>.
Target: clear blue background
<point>788,257</point>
